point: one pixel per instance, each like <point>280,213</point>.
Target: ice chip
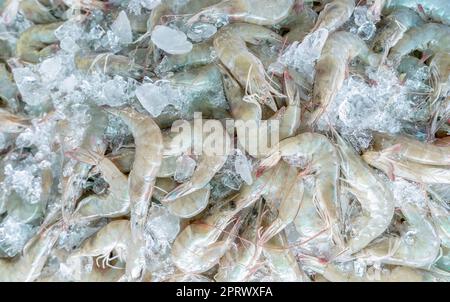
<point>185,168</point>
<point>201,31</point>
<point>366,31</point>
<point>152,98</point>
<point>30,86</point>
<point>243,167</point>
<point>121,27</point>
<point>13,236</point>
<point>360,15</point>
<point>162,224</point>
<point>150,4</point>
<point>171,40</point>
<point>50,69</point>
<point>303,56</point>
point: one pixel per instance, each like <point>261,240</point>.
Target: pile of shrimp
<point>95,185</point>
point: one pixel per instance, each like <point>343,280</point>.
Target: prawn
<point>117,202</point>
<point>420,251</point>
<point>394,27</point>
<point>113,237</point>
<point>110,64</point>
<point>197,248</point>
<point>334,15</point>
<point>210,162</point>
<point>440,217</point>
<point>282,261</point>
<point>412,149</point>
<point>41,12</point>
<point>187,206</point>
<point>12,123</point>
<point>147,161</point>
<point>35,254</point>
<point>260,12</point>
<point>246,68</point>
<point>339,49</point>
<point>432,37</point>
<point>375,197</point>
<point>394,166</point>
<point>437,10</point>
<point>323,159</point>
<point>37,42</point>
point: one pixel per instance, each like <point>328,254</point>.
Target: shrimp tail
<point>268,162</point>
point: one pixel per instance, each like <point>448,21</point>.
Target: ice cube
<point>50,69</point>
<point>185,168</point>
<point>150,4</point>
<point>366,31</point>
<point>303,56</point>
<point>69,45</point>
<point>162,224</point>
<point>30,87</point>
<point>13,236</point>
<point>360,15</point>
<point>155,98</point>
<point>114,92</point>
<point>171,40</point>
<point>201,31</point>
<point>243,167</point>
<point>121,27</point>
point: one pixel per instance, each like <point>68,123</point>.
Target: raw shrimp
<point>8,88</point>
<point>419,251</point>
<point>333,273</point>
<point>35,254</point>
<point>41,12</point>
<point>189,6</point>
<point>282,261</point>
<point>123,159</point>
<point>287,210</point>
<point>290,121</point>
<point>110,64</point>
<point>440,79</point>
<point>198,248</point>
<point>437,10</point>
<point>12,123</point>
<point>187,206</point>
<point>210,161</point>
<point>147,160</point>
<point>432,37</point>
<point>299,24</point>
<point>201,54</point>
<point>247,110</point>
<point>440,217</point>
<point>113,237</point>
<point>334,15</point>
<point>411,149</point>
<point>245,67</point>
<point>373,194</point>
<point>260,12</point>
<point>242,108</point>
<point>308,221</point>
<point>241,260</point>
<point>339,49</point>
<point>375,9</point>
<point>322,159</point>
<point>37,42</point>
<point>72,184</point>
<point>394,166</point>
<point>117,202</point>
<point>394,27</point>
